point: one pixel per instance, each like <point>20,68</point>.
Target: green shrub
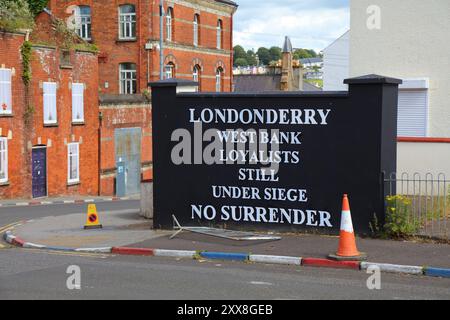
<point>400,222</point>
<point>36,6</point>
<point>15,15</point>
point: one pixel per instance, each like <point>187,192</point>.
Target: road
<point>13,214</point>
<point>28,274</point>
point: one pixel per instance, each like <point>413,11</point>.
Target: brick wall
<point>25,128</point>
<point>12,127</point>
<point>116,115</point>
<point>84,68</point>
<point>181,51</point>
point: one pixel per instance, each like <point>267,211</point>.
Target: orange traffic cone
<point>347,243</point>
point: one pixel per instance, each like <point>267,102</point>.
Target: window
<point>219,34</point>
<point>219,73</point>
<point>196,75</point>
<point>169,24</point>
<point>83,21</point>
<point>127,22</point>
<point>170,70</point>
<point>3,160</point>
<point>50,116</point>
<point>412,113</point>
<point>128,83</point>
<point>65,58</point>
<point>196,29</point>
<point>5,91</point>
<point>77,102</point>
<point>73,171</point>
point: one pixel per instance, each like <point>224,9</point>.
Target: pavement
<point>120,227</point>
<point>125,228</point>
<point>63,200</point>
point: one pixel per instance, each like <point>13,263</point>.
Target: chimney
<point>286,66</point>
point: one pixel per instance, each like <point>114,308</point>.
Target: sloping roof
<point>257,83</point>
<point>232,3</point>
<point>310,87</point>
<point>311,60</point>
<point>264,83</point>
<point>336,40</point>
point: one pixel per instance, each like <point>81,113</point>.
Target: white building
<point>410,40</point>
<point>336,64</point>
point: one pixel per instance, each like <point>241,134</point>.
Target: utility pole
<point>161,39</point>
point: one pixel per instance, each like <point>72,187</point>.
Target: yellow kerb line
<point>10,226</point>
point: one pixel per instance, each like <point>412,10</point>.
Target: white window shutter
<point>73,165</point>
<point>3,160</point>
<point>50,115</point>
<point>412,113</point>
<point>77,102</point>
<point>5,91</point>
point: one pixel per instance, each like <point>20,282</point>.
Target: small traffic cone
<point>92,221</point>
<point>347,250</point>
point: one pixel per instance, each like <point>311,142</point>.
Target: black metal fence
<point>425,200</point>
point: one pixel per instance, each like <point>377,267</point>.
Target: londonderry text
<point>260,116</point>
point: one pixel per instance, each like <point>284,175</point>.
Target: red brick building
<point>197,46</point>
<point>49,138</point>
<point>198,34</point>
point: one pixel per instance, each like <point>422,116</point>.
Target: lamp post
<point>161,39</point>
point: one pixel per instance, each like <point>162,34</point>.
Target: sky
<point>311,24</point>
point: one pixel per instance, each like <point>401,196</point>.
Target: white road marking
<point>261,283</point>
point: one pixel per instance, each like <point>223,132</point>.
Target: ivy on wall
<point>25,51</point>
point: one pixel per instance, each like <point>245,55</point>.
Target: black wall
<point>348,155</point>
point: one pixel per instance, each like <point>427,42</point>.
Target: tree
<point>304,54</point>
<point>36,6</point>
<point>239,52</point>
<point>275,53</point>
<point>251,58</point>
<point>240,62</point>
<point>264,56</point>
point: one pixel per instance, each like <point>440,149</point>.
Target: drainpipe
<point>139,44</point>
<point>100,121</point>
<point>161,40</point>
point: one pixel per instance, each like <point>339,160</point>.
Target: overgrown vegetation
<point>25,51</point>
<point>400,222</point>
<point>36,6</point>
<point>63,37</point>
<point>15,15</point>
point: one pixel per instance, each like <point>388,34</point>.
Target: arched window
<point>170,70</point>
<point>128,81</point>
<point>169,24</point>
<point>196,76</point>
<point>83,22</point>
<point>127,22</point>
<point>219,75</point>
<point>196,29</point>
<point>219,34</point>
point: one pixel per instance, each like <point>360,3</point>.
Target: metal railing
<point>428,201</point>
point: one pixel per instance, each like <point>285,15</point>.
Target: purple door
<point>39,172</point>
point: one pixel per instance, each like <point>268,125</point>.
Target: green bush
<point>15,15</point>
<point>36,6</point>
<point>400,222</point>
